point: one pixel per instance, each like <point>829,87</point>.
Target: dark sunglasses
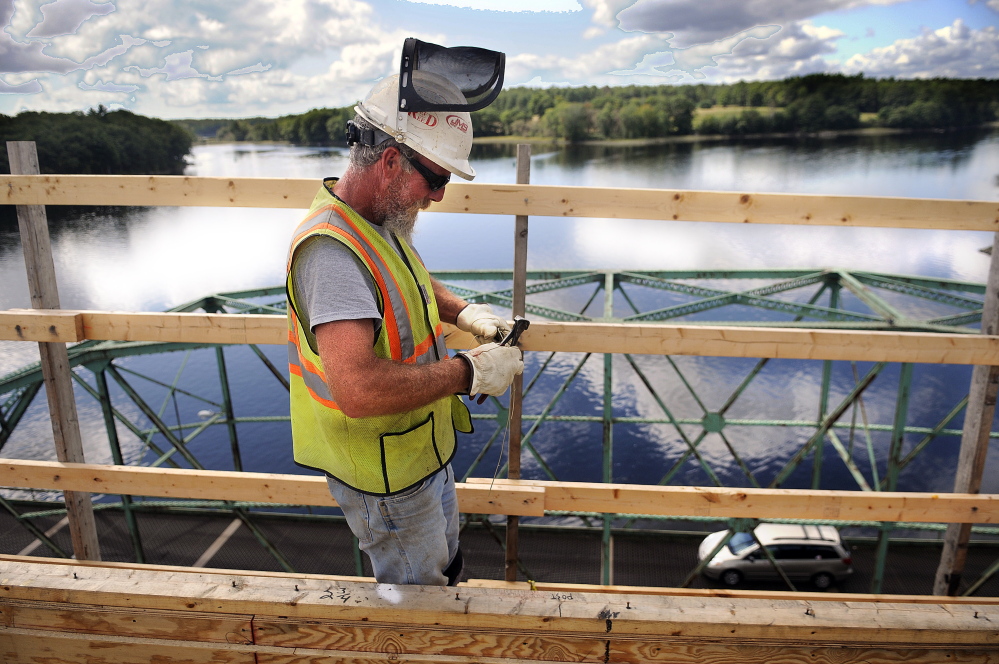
<point>434,181</point>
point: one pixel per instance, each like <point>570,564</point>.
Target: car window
<point>791,552</point>
<point>821,552</point>
<point>740,542</point>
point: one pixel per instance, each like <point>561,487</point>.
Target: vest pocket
<point>409,456</point>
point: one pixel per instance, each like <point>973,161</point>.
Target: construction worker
<point>373,391</point>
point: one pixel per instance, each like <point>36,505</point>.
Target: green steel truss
<point>786,298</point>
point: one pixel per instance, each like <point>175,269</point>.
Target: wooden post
<point>974,440</point>
<point>34,229</point>
<point>516,390</point>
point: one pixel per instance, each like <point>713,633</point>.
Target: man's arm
<point>448,304</point>
<point>364,385</point>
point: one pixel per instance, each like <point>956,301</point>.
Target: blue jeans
<point>411,537</point>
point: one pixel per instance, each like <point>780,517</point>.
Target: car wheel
<point>822,580</point>
<point>731,577</point>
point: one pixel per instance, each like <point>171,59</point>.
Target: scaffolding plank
<point>763,503</point>
<point>525,500</point>
<point>519,199</point>
<point>49,326</point>
<point>309,618</point>
<point>650,339</point>
<point>47,647</point>
<point>520,497</point>
<point>820,596</point>
<point>88,619</point>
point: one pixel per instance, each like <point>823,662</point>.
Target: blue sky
<point>206,58</point>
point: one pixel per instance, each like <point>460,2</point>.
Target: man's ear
<point>391,161</point>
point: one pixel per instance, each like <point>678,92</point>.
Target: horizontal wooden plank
<point>648,339</point>
<point>156,190</point>
<point>519,497</point>
<point>533,200</point>
<point>24,646</point>
<point>765,503</point>
<point>232,485</point>
<point>538,586</point>
<point>46,647</point>
<point>86,619</point>
<point>721,206</point>
<point>464,612</point>
<point>563,588</point>
<point>185,327</point>
<point>786,343</point>
<point>41,325</point>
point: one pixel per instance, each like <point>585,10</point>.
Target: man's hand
<point>493,367</point>
<point>480,321</point>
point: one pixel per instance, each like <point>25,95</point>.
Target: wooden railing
<point>519,497</point>
<point>518,199</point>
<point>526,497</point>
<point>68,326</point>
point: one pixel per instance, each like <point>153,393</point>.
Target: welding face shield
<point>427,105</point>
<point>476,72</point>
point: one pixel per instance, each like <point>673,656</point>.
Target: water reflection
<point>154,258</point>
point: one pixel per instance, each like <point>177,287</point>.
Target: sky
<point>209,58</point>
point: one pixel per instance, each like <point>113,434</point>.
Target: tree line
<point>99,142</point>
<point>802,104</point>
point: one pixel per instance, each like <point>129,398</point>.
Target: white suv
<point>811,553</point>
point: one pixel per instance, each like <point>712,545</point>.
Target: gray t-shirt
<point>332,283</point>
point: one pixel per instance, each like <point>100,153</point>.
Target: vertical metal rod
<point>607,549</point>
<point>125,421</point>
<point>244,516</point>
<point>237,460</point>
<point>974,440</point>
<point>154,418</point>
<point>104,396</point>
<point>826,424</point>
<point>516,390</point>
<point>891,475</point>
<point>270,366</point>
<point>56,371</point>
<point>18,411</point>
<point>33,529</point>
<point>823,403</point>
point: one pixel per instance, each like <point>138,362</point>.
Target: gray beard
<point>402,223</point>
<point>391,214</point>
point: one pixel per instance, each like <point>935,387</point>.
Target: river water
<point>148,259</point>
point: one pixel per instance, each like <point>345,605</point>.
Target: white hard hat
<point>443,137</point>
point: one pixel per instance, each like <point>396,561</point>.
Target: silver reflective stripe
<point>312,381</point>
<point>396,300</point>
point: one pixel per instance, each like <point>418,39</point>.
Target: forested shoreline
<point>99,142</point>
<point>120,142</point>
<point>799,105</point>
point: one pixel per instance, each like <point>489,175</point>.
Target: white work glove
<point>480,320</point>
<point>493,367</point>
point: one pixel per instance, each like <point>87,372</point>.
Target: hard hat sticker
<point>457,123</point>
<point>429,119</point>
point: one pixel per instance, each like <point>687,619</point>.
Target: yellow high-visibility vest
<point>385,454</point>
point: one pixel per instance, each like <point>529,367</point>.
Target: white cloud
<point>31,87</point>
<point>699,21</point>
<point>752,54</point>
<point>509,5</point>
<point>991,4</point>
<point>110,86</point>
<point>64,17</point>
<point>695,58</point>
<point>953,51</point>
<point>589,68</point>
<point>175,67</point>
<point>248,69</point>
<point>605,11</point>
